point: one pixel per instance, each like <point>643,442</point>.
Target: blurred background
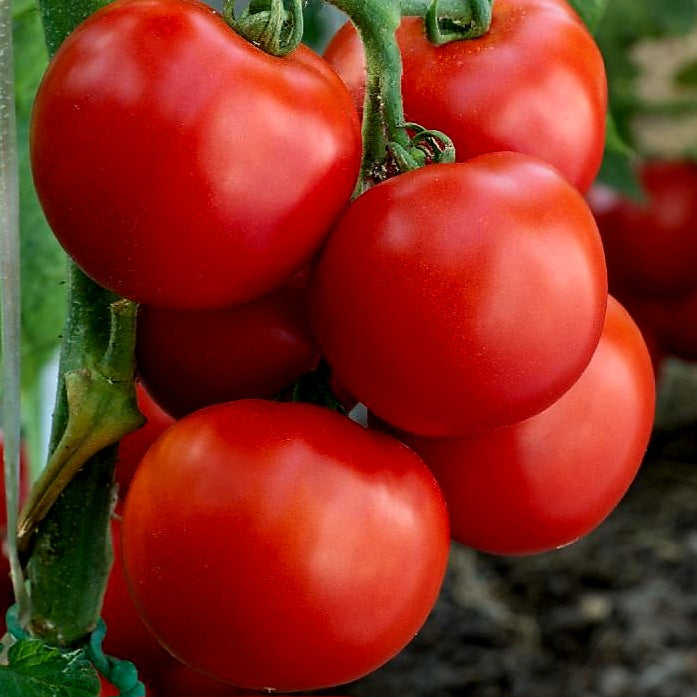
<point>613,615</point>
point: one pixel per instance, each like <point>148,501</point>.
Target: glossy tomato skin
<point>190,359</point>
<point>651,246</point>
<point>127,636</point>
<point>548,480</point>
<point>535,83</point>
<point>461,297</point>
<point>311,549</point>
<point>181,166</point>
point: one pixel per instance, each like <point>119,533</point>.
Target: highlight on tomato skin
<point>546,481</point>
<point>317,547</point>
<point>461,297</point>
<point>535,83</point>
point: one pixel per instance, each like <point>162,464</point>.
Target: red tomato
<point>281,545</point>
<point>127,636</point>
<point>673,321</point>
<point>547,481</point>
<point>107,689</point>
<point>133,446</point>
<point>24,484</point>
<point>535,83</point>
<point>174,679</point>
<point>181,166</point>
<point>651,247</point>
<point>190,360</point>
<point>461,297</point>
<point>6,591</point>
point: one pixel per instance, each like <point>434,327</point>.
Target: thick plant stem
<point>65,525</point>
<point>383,113</point>
<point>66,521</point>
<point>9,267</point>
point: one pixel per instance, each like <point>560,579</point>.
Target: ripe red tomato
<point>24,485</point>
<point>651,246</point>
<point>127,636</point>
<point>133,446</point>
<point>535,83</point>
<point>6,590</point>
<point>547,481</point>
<point>461,297</point>
<point>107,689</point>
<point>174,679</point>
<point>190,360</point>
<point>281,545</point>
<point>180,165</point>
<point>673,322</point>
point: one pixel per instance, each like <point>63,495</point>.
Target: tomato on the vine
<point>191,359</point>
<point>281,545</point>
<point>535,83</point>
<point>127,636</point>
<point>672,321</point>
<point>651,245</point>
<point>180,165</point>
<point>552,478</point>
<point>461,297</point>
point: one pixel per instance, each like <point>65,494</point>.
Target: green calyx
<point>451,20</point>
<point>468,20</point>
<point>276,26</point>
<point>425,147</point>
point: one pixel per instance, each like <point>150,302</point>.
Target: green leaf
<point>38,670</point>
<point>670,17</point>
<point>618,173</point>
<point>590,11</point>
<point>686,74</point>
<point>613,140</point>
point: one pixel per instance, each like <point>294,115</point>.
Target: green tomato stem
<point>65,523</point>
<point>268,24</point>
<point>383,114</point>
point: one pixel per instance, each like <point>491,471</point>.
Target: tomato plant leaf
<point>590,11</point>
<point>617,172</point>
<point>38,670</point>
<point>613,140</point>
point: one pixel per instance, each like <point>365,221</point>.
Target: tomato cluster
<point>651,253</point>
<point>276,544</point>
